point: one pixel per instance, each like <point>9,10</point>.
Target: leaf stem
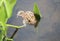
<point>17,27</point>
<point>14,26</point>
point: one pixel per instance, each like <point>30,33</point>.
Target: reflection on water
<point>48,28</point>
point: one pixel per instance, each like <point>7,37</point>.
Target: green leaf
<point>1,1</point>
<point>2,31</point>
<point>37,14</point>
<point>1,35</point>
<point>9,4</point>
<point>9,39</point>
<point>3,15</point>
<point>6,7</point>
<point>36,10</point>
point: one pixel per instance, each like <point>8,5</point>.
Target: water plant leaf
<point>9,4</point>
<point>37,14</point>
<point>3,14</point>
<point>36,9</point>
<point>1,1</point>
<point>2,31</point>
<point>6,7</point>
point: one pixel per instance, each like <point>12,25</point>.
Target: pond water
<point>49,26</point>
